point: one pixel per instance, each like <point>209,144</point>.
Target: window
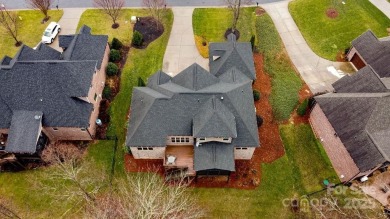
<point>144,148</point>
<point>241,148</point>
<point>95,97</point>
<point>55,129</point>
<point>226,139</point>
<point>202,139</point>
<point>180,139</point>
<point>83,129</point>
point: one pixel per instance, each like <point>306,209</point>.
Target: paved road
<point>18,4</point>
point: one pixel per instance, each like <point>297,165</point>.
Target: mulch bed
<point>332,13</point>
<point>259,11</point>
<point>143,165</point>
<point>150,28</point>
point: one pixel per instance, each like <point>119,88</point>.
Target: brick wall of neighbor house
<point>357,60</point>
<point>335,149</point>
<point>98,82</point>
<point>66,133</point>
<point>243,153</point>
<point>146,153</point>
<point>3,131</point>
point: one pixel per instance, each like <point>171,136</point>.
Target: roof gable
<point>195,78</point>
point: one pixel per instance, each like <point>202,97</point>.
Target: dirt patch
<point>150,28</point>
<point>143,165</point>
<point>259,11</point>
<point>304,93</point>
<point>332,13</point>
<point>229,31</point>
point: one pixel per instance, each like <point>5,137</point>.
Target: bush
<point>141,82</point>
<point>259,120</point>
<point>112,69</point>
<point>302,108</point>
<point>115,55</point>
<point>253,42</point>
<point>116,44</point>
<point>256,95</point>
<point>137,39</point>
<point>107,92</point>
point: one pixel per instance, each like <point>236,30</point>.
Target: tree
<point>9,22</point>
<point>112,8</point>
<point>155,8</point>
<point>42,5</point>
<point>235,7</point>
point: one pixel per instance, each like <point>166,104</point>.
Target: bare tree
<point>155,8</point>
<point>112,8</point>
<point>6,211</point>
<point>147,195</point>
<point>42,5</point>
<point>235,7</point>
<point>9,22</point>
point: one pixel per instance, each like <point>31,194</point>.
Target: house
<point>46,94</point>
<point>367,49</point>
<point>353,123</point>
<point>198,121</point>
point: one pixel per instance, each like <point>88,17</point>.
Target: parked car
<point>51,32</point>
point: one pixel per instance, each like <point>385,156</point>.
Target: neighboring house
<point>198,121</point>
<point>46,94</point>
<point>353,123</point>
<point>367,49</point>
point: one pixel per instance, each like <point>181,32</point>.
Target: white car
<point>51,32</point>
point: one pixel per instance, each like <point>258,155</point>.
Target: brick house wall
<point>356,59</point>
<point>341,160</point>
<point>243,153</point>
<point>148,152</point>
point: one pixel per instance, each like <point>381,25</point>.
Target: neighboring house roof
<point>231,54</point>
<point>374,52</point>
<point>363,81</point>
<point>5,61</point>
<point>65,40</point>
<point>40,80</point>
<point>158,111</point>
<point>214,156</point>
<point>359,113</point>
<point>24,131</point>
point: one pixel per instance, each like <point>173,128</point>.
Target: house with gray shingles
<point>353,123</point>
<point>46,94</point>
<point>198,121</point>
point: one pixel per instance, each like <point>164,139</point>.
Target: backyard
<point>327,36</point>
<point>30,31</point>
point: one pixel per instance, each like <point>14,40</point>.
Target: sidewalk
<point>382,5</point>
<point>181,51</point>
<point>313,69</point>
<point>68,23</point>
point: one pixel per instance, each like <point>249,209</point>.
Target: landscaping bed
<point>150,28</point>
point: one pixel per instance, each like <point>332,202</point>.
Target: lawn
<point>218,20</point>
<point>30,31</point>
<point>285,81</point>
<point>327,36</point>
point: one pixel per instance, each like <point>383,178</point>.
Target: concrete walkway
<point>68,23</point>
<point>181,51</point>
<point>382,5</point>
<point>318,73</point>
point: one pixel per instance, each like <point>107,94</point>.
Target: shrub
<point>141,82</point>
<point>107,92</point>
<point>112,69</point>
<point>253,42</point>
<point>137,39</point>
<point>302,108</point>
<point>256,95</point>
<point>116,44</point>
<point>115,55</point>
<point>259,120</point>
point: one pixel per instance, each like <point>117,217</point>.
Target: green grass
<point>285,81</point>
<point>310,162</point>
<point>30,31</point>
<point>327,36</point>
<point>211,23</point>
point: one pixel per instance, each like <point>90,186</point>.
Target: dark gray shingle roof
<point>65,40</point>
<point>24,131</point>
<point>6,60</point>
<point>363,81</point>
<point>42,52</point>
<point>231,54</point>
<point>376,53</point>
<point>210,156</point>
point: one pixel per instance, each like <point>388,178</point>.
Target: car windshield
<point>46,33</point>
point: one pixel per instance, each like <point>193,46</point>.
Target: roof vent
<point>41,99</point>
<point>37,117</point>
<point>221,97</point>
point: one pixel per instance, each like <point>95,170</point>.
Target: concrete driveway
<point>68,22</point>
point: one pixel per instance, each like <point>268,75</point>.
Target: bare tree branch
<point>155,8</point>
<point>9,22</point>
<point>235,7</point>
<point>42,5</point>
<point>112,8</point>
